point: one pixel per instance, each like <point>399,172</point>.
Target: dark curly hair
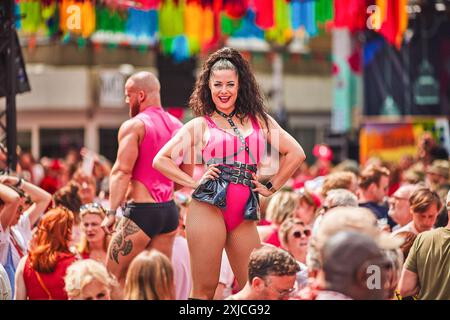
<point>249,99</point>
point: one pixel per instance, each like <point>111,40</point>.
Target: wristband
<point>110,212</point>
<point>270,187</point>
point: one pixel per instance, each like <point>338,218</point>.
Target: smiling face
<point>224,86</point>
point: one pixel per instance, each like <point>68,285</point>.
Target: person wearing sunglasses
<point>271,275</point>
<point>294,236</point>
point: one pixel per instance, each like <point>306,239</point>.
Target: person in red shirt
<point>40,274</point>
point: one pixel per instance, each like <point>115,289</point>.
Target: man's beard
<point>134,110</point>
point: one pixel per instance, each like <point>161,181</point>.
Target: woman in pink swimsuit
<point>229,135</point>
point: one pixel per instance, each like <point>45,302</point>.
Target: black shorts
<point>153,218</point>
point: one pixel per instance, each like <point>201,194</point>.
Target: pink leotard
<point>160,127</point>
<point>222,143</point>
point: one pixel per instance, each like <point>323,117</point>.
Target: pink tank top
<point>223,144</point>
<point>160,127</point>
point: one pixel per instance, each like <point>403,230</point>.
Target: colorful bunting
<point>187,27</point>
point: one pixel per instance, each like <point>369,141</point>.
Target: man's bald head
<point>142,91</point>
<point>405,191</point>
<point>346,256</point>
<point>145,81</point>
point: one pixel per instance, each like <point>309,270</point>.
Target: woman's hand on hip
<point>211,173</point>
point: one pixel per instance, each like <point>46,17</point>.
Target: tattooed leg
<point>120,244</point>
<point>126,243</point>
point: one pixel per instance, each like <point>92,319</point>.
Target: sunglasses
<point>298,234</point>
<point>92,206</point>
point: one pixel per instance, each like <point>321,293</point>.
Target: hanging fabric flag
<point>17,13</point>
<point>229,25</point>
<point>50,16</point>
<point>148,4</point>
<point>171,18</point>
<point>193,25</point>
<point>282,32</point>
<point>142,25</point>
<point>382,11</point>
<point>324,11</point>
<point>303,15</point>
<point>87,19</point>
<point>396,22</point>
<point>32,20</point>
<point>248,28</point>
<point>207,34</point>
<point>171,23</point>
<point>264,11</point>
<point>350,14</point>
<point>180,48</point>
<point>235,8</point>
<point>403,22</point>
<point>215,7</point>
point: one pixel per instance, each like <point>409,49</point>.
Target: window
<point>108,143</point>
<point>55,143</point>
<point>24,140</point>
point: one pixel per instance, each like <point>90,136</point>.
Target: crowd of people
<point>159,225</point>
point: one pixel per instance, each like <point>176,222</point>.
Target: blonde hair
<point>338,180</point>
<point>83,272</point>
<point>281,206</point>
<point>83,245</point>
<point>286,227</point>
<point>150,277</point>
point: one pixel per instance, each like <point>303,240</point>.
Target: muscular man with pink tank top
<point>150,215</point>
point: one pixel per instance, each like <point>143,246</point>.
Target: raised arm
<point>11,202</point>
<point>291,152</point>
<point>41,199</point>
<point>185,144</point>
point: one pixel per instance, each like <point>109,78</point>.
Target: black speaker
<point>177,80</point>
<point>22,84</point>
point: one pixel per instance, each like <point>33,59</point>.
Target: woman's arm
<point>11,202</point>
<point>186,144</point>
<point>20,288</point>
<point>41,199</point>
<point>291,152</point>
